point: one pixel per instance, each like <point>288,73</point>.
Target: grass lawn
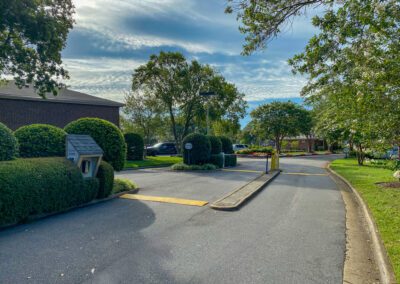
<point>384,203</point>
<point>153,162</point>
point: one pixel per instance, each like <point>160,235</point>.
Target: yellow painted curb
<point>165,199</point>
<point>243,171</point>
<point>303,174</point>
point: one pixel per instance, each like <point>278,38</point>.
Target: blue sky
<point>113,37</point>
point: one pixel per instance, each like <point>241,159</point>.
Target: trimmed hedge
<point>40,185</point>
<point>185,167</point>
<point>217,160</point>
<point>8,144</point>
<point>106,134</point>
<point>230,160</point>
<point>41,140</point>
<point>106,179</point>
<point>135,146</point>
<point>216,144</point>
<point>91,188</point>
<point>227,147</point>
<point>200,153</point>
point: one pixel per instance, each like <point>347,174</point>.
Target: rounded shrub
<point>106,179</point>
<point>41,140</point>
<point>200,153</point>
<point>217,159</point>
<point>8,144</point>
<point>41,185</point>
<point>227,147</point>
<point>230,160</point>
<point>135,146</point>
<point>107,136</point>
<point>216,144</point>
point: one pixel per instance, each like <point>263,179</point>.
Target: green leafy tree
<point>176,85</point>
<point>264,20</point>
<point>277,120</point>
<point>144,112</point>
<point>353,70</point>
<point>32,35</point>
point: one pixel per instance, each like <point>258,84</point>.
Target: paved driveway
<point>292,232</point>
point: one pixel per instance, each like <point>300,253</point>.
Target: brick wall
<point>16,113</point>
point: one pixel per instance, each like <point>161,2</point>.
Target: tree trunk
<point>173,123</point>
<point>309,144</point>
<point>278,144</point>
<point>360,155</point>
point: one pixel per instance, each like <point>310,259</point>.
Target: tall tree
<point>277,120</point>
<point>32,35</point>
<point>353,70</point>
<point>177,84</point>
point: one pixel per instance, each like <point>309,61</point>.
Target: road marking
<point>165,199</point>
<point>243,171</point>
<point>304,174</point>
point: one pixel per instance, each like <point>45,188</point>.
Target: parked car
<point>237,147</point>
<point>165,148</point>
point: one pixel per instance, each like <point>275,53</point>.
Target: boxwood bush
<point>41,140</point>
<point>227,147</point>
<point>40,185</point>
<point>217,160</point>
<point>106,179</point>
<point>200,153</point>
<point>134,146</point>
<point>216,144</point>
<point>230,160</point>
<point>8,144</point>
<point>106,134</point>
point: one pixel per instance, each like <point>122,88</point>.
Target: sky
<point>113,37</point>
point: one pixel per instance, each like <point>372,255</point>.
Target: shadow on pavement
<point>84,245</point>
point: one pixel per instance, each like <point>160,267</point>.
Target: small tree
<point>277,120</point>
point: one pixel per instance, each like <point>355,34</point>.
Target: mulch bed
<point>394,184</point>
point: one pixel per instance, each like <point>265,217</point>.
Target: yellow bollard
<point>274,162</point>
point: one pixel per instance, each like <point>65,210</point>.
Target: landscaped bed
<point>383,202</point>
<point>158,161</point>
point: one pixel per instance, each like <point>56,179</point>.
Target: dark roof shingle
<point>11,91</point>
<point>84,144</point>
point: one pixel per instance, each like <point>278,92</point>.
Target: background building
<point>20,107</point>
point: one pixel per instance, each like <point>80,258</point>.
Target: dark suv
<point>162,148</point>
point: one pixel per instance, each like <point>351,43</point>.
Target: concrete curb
<point>45,215</point>
<point>243,193</point>
<point>385,268</point>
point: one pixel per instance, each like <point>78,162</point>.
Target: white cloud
<point>103,77</point>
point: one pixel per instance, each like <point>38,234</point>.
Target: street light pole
<point>207,95</point>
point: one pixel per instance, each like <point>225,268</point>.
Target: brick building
<point>20,107</point>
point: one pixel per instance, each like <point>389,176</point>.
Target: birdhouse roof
<point>84,144</point>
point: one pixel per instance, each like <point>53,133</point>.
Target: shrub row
<point>41,185</point>
<point>45,185</point>
<point>42,140</point>
<point>230,160</point>
<point>8,144</point>
<point>206,149</point>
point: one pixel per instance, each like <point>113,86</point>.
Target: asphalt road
<point>291,232</point>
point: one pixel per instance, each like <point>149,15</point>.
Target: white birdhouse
<point>85,153</point>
